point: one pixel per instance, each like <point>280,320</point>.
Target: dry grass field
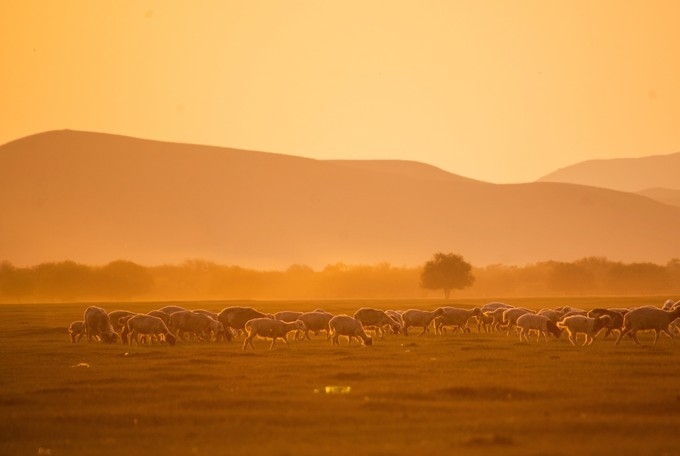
<point>469,393</point>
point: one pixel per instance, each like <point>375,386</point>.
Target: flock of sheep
<point>171,323</point>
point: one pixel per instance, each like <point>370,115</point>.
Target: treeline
<point>203,280</point>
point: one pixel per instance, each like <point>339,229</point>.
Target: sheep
<point>76,329</point>
<point>270,328</point>
<point>552,314</point>
<point>221,332</point>
<point>453,316</point>
<point>287,315</point>
<point>491,306</point>
<point>668,305</point>
<point>577,324</point>
<point>511,315</point>
<point>396,316</point>
<point>97,324</point>
<point>651,318</point>
<point>616,322</point>
<point>198,324</point>
<point>540,323</point>
<point>316,321</point>
<point>419,319</point>
<point>146,325</point>
<point>378,319</point>
<point>172,309</point>
<point>496,318</point>
<point>484,322</point>
<point>162,315</point>
<point>235,317</point>
<point>115,317</point>
<point>344,325</point>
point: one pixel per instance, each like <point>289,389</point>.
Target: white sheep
<point>146,325</point>
<point>115,317</point>
<point>235,318</point>
<point>491,306</point>
<point>648,318</point>
<point>344,325</point>
<point>496,317</point>
<point>201,326</point>
<point>97,324</point>
<point>581,324</point>
<point>540,323</point>
<point>456,317</point>
<point>271,329</point>
<point>668,305</point>
<point>316,321</point>
<point>287,315</point>
<point>419,319</point>
<point>377,319</point>
<point>616,322</point>
<point>76,329</point>
<point>511,315</point>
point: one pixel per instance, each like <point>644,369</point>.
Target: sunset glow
<point>497,91</point>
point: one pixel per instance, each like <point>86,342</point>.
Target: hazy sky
<point>502,91</point>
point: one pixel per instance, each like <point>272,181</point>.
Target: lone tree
<point>446,271</point>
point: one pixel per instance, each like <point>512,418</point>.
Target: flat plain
<point>473,393</point>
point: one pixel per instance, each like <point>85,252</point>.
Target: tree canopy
<point>446,271</point>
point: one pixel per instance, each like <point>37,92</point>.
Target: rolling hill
<point>625,174</point>
<point>94,198</point>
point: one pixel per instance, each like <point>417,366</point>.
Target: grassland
<point>464,394</point>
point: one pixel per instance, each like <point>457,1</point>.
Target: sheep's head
<point>170,339</point>
<point>368,341</point>
<point>110,338</point>
<point>477,312</point>
<point>439,311</point>
<point>396,328</point>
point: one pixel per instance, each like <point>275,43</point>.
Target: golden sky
<point>502,91</point>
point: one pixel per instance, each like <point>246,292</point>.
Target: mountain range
<point>94,198</point>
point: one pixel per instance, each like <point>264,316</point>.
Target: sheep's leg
<point>633,335</point>
<point>274,341</point>
<point>656,336</point>
<point>248,341</point>
<point>571,338</point>
<point>622,333</point>
<point>424,331</point>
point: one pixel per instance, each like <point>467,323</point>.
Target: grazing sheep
<point>456,317</point>
<point>616,322</point>
<point>377,319</point>
<point>146,325</point>
<point>162,315</point>
<point>668,305</point>
<point>491,306</point>
<point>396,316</point>
<point>648,318</point>
<point>76,329</point>
<point>171,309</point>
<point>201,326</point>
<point>496,317</point>
<point>344,325</point>
<point>484,322</point>
<point>552,314</point>
<point>287,315</point>
<point>511,315</point>
<point>580,324</point>
<point>235,318</point>
<point>535,322</point>
<point>316,321</point>
<point>115,317</point>
<point>419,319</point>
<point>97,324</point>
<point>271,329</point>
